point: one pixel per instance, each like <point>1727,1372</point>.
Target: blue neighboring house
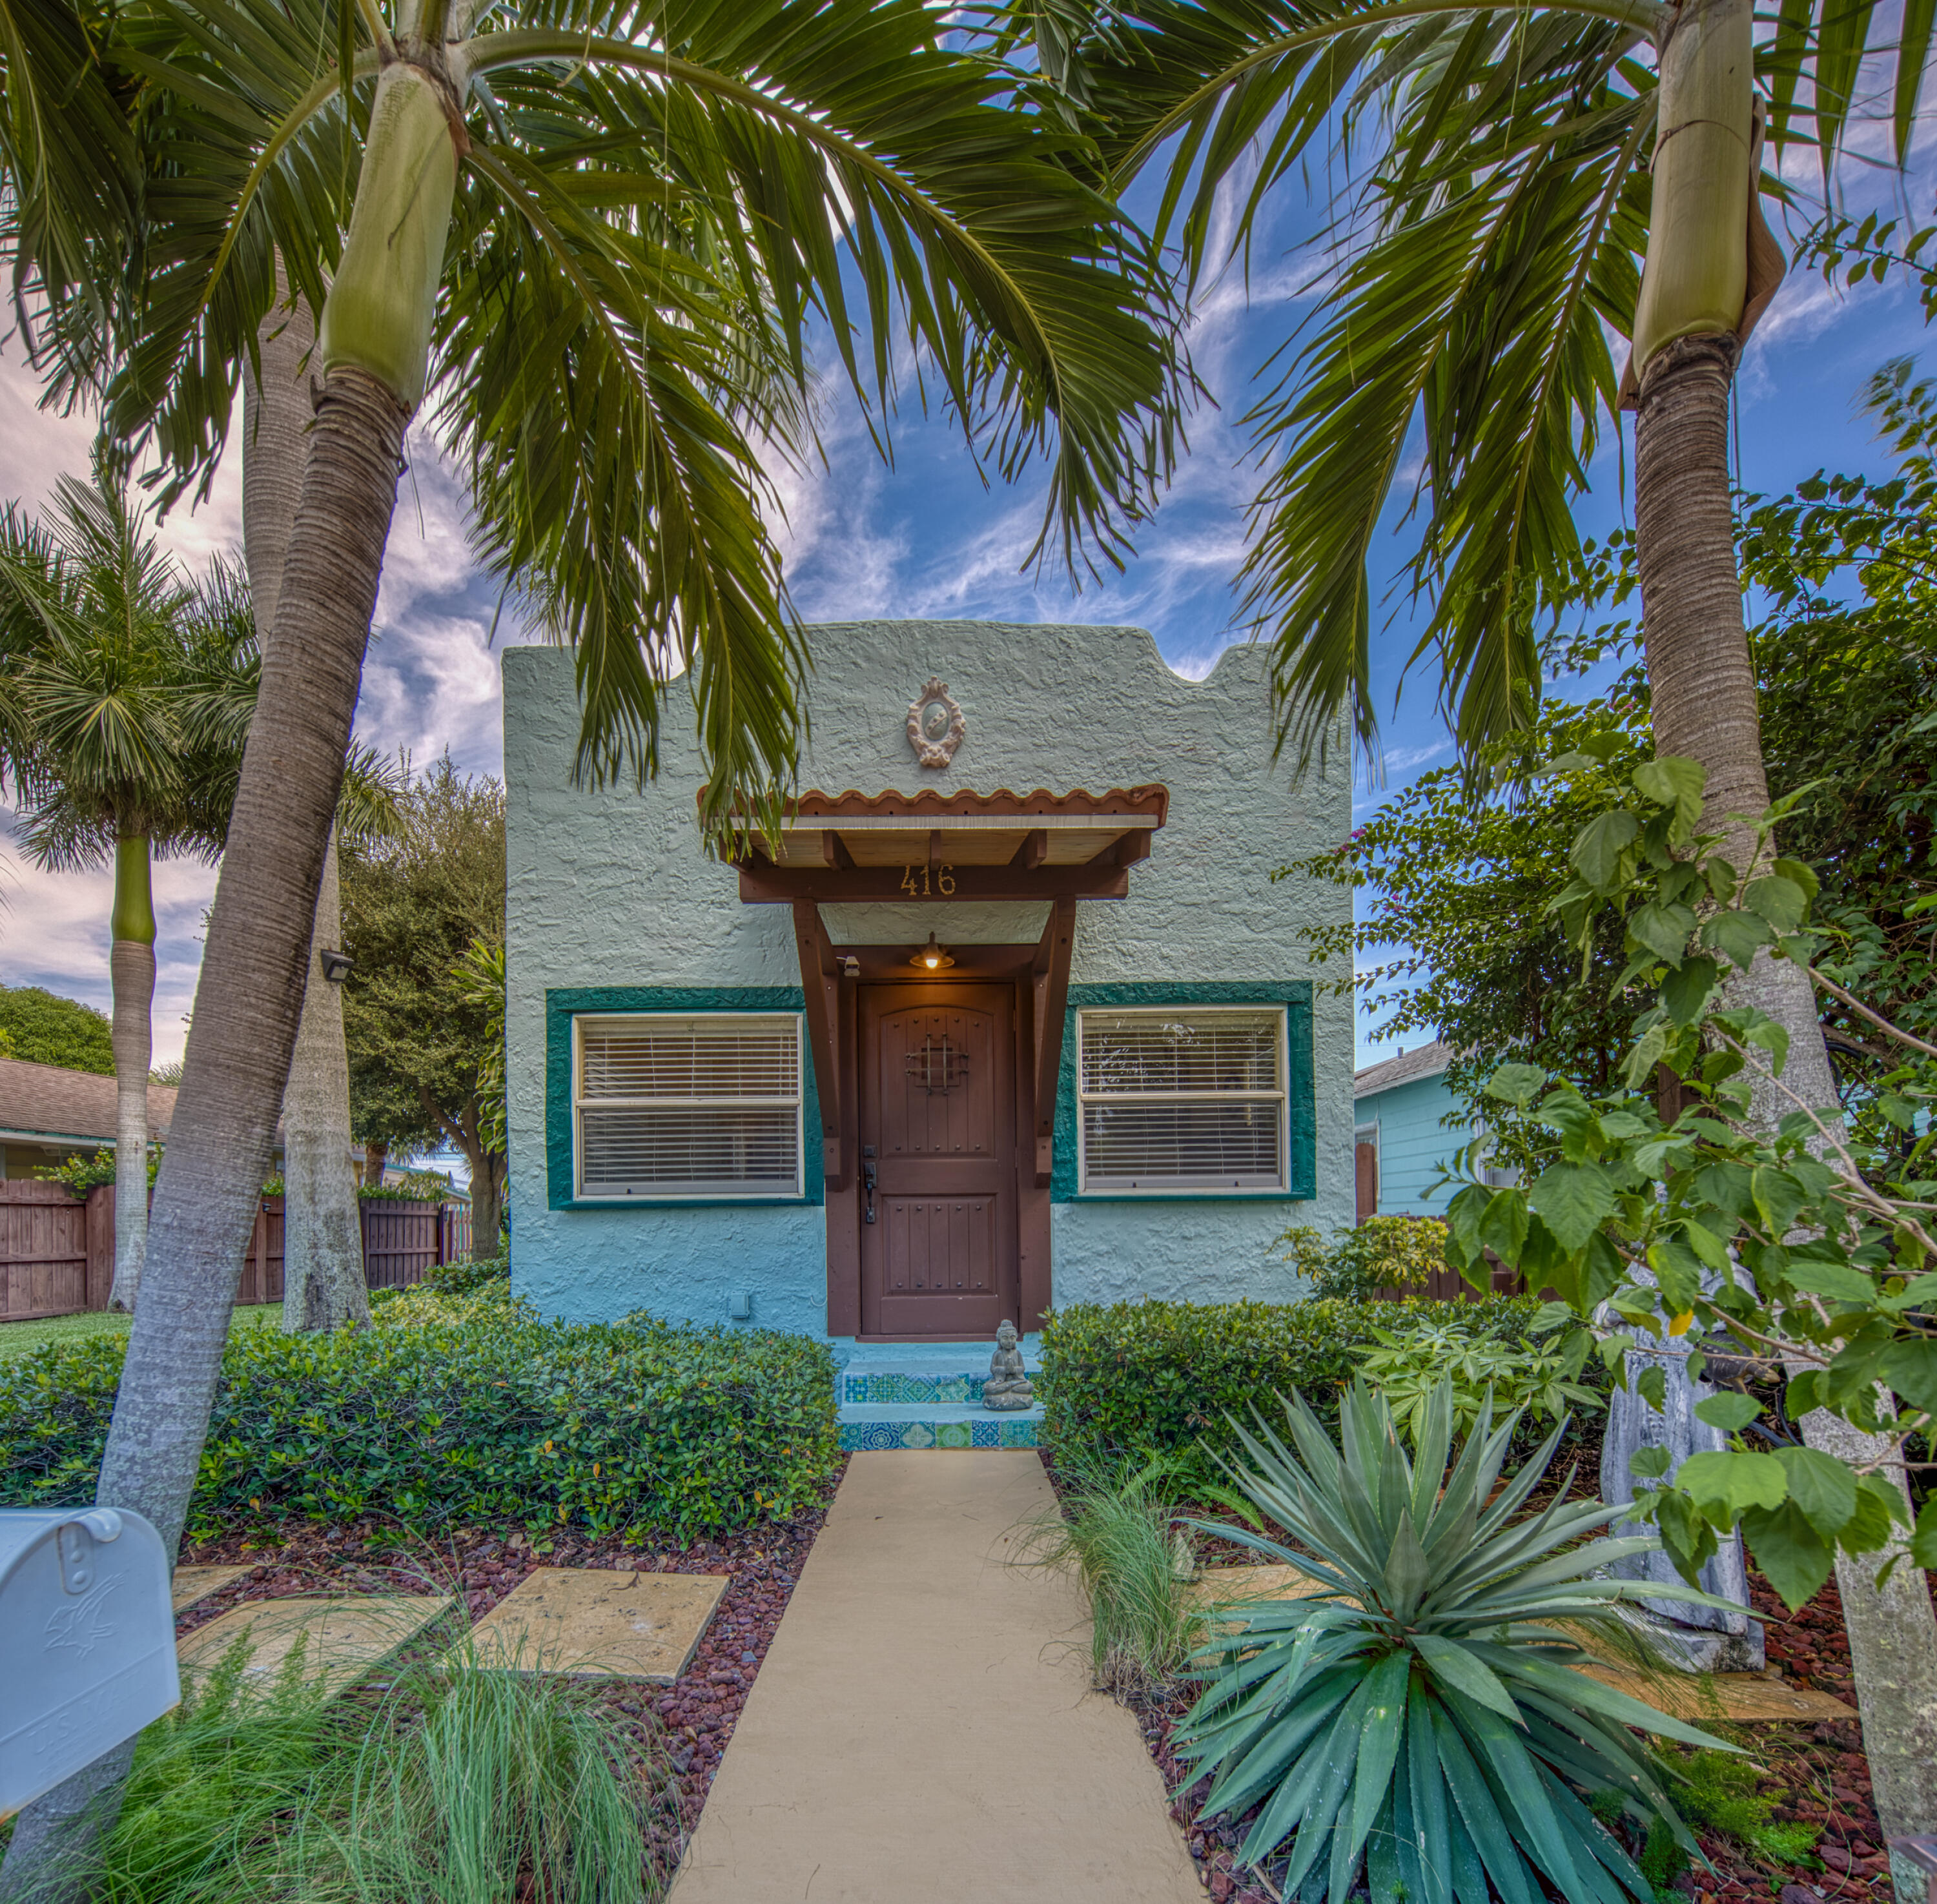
<point>1400,1143</point>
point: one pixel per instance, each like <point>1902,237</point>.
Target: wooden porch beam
<point>834,850</point>
<point>1033,851</point>
<point>1050,977</point>
<point>1121,854</point>
<point>820,986</point>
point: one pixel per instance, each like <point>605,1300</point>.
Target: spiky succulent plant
<point>1422,1708</point>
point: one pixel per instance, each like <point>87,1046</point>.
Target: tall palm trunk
<point>1702,682</point>
<point>322,1245</point>
<point>132,969</point>
<point>323,1285</point>
<point>376,335</point>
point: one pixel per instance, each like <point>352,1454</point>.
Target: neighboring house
<point>49,1113</point>
<point>1009,1014</point>
<point>1399,1143</point>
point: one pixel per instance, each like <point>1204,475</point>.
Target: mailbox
<point>87,1642</point>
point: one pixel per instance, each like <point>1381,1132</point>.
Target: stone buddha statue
<point>1008,1388</point>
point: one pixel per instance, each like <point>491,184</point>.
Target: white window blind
<point>1181,1098</point>
<point>677,1107</point>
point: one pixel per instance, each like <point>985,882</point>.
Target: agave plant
<point>1423,1709</point>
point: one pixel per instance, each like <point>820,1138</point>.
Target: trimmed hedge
<point>458,1412</point>
<point>1135,1377</point>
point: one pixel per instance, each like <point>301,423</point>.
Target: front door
<point>937,1102</point>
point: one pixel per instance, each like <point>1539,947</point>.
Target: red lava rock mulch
<point>691,1720</point>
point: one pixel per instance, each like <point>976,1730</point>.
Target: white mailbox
<point>87,1641</point>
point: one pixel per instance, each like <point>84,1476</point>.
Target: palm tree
<point>125,674</point>
<point>1541,175</point>
<point>600,253</point>
<point>599,237</point>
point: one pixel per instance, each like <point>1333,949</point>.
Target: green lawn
<point>18,1338</point>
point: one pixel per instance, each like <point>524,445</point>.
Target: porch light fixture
<point>932,957</point>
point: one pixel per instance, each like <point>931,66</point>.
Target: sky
<point>925,537</point>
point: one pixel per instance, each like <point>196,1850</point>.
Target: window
<point>1181,1098</point>
<point>694,1106</point>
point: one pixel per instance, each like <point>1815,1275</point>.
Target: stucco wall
<point>611,888</point>
<point>1413,1145</point>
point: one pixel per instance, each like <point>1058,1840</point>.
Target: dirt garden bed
<point>691,1721</point>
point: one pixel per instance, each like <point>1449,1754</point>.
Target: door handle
<point>868,1182</point>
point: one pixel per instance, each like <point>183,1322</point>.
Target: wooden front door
<point>937,1104</point>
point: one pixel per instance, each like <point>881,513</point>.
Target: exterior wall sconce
<point>335,965</point>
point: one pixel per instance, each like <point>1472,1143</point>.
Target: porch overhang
<point>892,846</point>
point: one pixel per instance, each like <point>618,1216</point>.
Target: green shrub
<point>1422,1709</point>
<point>472,1275</point>
<point>1362,1263</point>
<point>1408,1365</point>
<point>1130,1379</point>
<point>461,1410</point>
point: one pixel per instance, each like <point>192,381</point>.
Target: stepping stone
<point>342,1638</point>
<point>600,1623</point>
<point>1732,1696</point>
<point>1219,1584</point>
<point>1739,1697</point>
<point>193,1584</point>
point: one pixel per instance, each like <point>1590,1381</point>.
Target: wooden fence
<point>57,1249</point>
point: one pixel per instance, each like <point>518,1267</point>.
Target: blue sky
<point>925,539</point>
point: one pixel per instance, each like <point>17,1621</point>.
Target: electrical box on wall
<point>87,1642</point>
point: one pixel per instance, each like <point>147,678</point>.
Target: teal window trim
<point>563,1006</point>
<point>1300,1114</point>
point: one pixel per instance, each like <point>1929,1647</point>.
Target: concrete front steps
<point>927,1397</point>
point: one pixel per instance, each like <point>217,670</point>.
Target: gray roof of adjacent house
<point>45,1103</point>
<point>1428,1061</point>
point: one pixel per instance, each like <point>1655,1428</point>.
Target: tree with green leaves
<point>1801,1255</point>
<point>421,1039</point>
<point>132,687</point>
<point>1461,941</point>
<point>41,1027</point>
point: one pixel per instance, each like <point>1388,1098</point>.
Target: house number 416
<point>944,881</point>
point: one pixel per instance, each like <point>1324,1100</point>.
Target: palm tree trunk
<point>243,1030</point>
<point>323,1246</point>
<point>132,969</point>
<point>376,334</point>
<point>1702,682</point>
<point>322,1259</point>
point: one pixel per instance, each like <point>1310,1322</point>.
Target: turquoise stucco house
<point>1009,1014</point>
<point>1402,1141</point>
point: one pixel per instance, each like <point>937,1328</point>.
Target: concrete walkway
<point>922,1731</point>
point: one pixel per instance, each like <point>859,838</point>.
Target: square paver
<point>342,1638</point>
<point>596,1623</point>
<point>193,1584</point>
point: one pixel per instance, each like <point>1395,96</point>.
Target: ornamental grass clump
<point>1119,1533</point>
<point>1422,1713</point>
